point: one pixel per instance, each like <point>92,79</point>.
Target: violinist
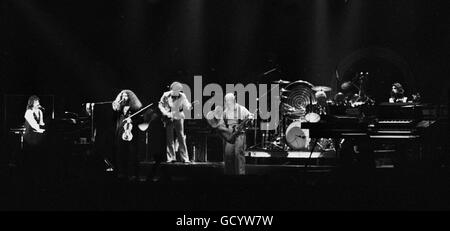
<point>125,104</point>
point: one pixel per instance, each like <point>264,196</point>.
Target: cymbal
<point>283,90</point>
<point>296,113</point>
<point>321,88</point>
<point>346,85</point>
<point>281,81</point>
<point>288,107</point>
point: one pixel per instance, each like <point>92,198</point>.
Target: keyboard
<point>395,121</point>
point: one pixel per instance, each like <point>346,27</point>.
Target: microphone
<point>42,108</point>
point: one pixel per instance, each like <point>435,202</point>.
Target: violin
<point>127,135</point>
<point>127,127</point>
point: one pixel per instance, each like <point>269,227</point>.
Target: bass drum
<point>296,137</point>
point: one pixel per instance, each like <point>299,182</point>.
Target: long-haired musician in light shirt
<point>34,122</point>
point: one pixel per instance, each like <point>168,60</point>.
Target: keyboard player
<point>34,123</point>
<point>397,94</point>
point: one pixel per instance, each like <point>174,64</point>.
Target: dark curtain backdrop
<point>84,51</point>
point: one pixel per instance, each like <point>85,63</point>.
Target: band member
<point>34,121</point>
<point>35,156</point>
<point>172,104</point>
<point>125,104</point>
<point>397,94</point>
<point>231,118</point>
<point>321,98</point>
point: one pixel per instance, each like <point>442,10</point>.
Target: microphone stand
<point>338,80</point>
<point>257,110</point>
<point>91,108</point>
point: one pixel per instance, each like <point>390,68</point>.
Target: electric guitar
<point>229,134</point>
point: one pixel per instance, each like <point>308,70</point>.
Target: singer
<point>35,155</point>
<point>125,104</point>
<point>34,122</point>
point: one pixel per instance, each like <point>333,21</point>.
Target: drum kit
<point>298,105</point>
<point>302,102</point>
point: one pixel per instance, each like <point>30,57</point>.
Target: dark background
<point>85,51</point>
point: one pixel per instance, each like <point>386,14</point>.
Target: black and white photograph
<point>238,109</point>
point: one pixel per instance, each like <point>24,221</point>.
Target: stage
<point>204,187</point>
<point>338,105</point>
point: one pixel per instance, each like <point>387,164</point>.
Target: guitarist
<point>125,104</point>
<point>172,104</point>
<point>231,118</point>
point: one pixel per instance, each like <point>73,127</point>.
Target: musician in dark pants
<point>125,104</point>
<point>35,154</point>
<point>398,96</point>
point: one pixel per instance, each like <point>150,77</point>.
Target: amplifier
<point>203,144</point>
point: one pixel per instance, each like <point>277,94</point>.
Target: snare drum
<point>312,117</point>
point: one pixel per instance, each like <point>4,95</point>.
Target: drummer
<point>322,104</point>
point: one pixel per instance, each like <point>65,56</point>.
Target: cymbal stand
<point>265,134</point>
<point>280,139</point>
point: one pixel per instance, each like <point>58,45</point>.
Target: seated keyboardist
<point>397,94</point>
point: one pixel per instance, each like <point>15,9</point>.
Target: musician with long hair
<point>34,122</point>
<point>35,155</point>
<point>397,94</point>
<point>125,104</point>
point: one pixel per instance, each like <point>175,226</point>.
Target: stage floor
<point>203,186</point>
